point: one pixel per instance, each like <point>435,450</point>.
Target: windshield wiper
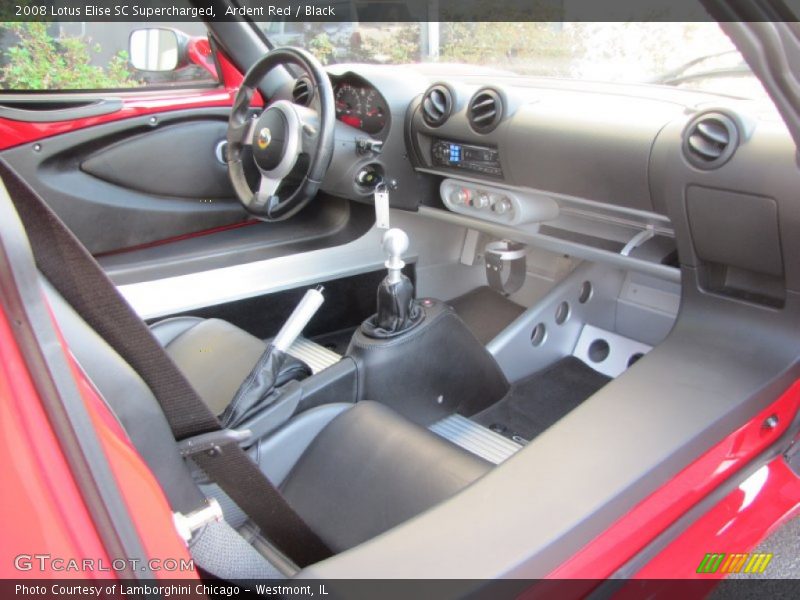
<point>679,75</point>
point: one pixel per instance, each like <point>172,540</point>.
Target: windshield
<point>690,55</point>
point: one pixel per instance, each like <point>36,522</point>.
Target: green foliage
<point>321,46</point>
<point>398,44</point>
<point>40,62</point>
<point>521,47</point>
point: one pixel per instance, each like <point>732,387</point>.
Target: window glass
<point>90,56</point>
<point>690,55</point>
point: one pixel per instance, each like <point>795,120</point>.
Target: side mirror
<point>157,49</point>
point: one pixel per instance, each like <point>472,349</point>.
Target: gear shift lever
<point>397,310</point>
<point>395,243</point>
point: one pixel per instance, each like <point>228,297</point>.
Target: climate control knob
<point>502,206</point>
<point>481,201</point>
<point>460,197</point>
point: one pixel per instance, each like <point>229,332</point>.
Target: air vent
<point>485,111</point>
<point>437,104</point>
<point>710,140</point>
<point>302,92</point>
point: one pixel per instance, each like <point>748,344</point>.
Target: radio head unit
<point>466,157</point>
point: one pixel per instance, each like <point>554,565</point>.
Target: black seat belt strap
<point>72,271</point>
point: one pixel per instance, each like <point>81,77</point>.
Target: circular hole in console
<point>538,335</point>
<point>562,313</point>
<point>634,357</point>
<point>586,292</point>
<point>598,350</point>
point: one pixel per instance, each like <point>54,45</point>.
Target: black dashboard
<point>597,163</point>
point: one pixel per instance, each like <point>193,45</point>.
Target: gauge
<point>374,119</point>
<point>349,106</point>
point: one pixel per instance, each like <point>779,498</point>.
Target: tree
<point>39,61</point>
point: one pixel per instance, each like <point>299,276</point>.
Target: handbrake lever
<point>297,321</point>
<point>257,391</point>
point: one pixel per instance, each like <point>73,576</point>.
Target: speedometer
<point>374,118</point>
<point>349,107</point>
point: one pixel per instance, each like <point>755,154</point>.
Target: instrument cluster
<point>361,106</point>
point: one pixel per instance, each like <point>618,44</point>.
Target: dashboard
<point>601,166</point>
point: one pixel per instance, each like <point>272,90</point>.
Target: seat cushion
<point>214,355</point>
<point>371,469</point>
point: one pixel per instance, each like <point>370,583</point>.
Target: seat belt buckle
<point>187,525</point>
<point>212,442</point>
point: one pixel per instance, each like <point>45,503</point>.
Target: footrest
<point>317,357</point>
<point>476,439</point>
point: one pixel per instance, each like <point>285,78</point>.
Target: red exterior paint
<point>42,508</point>
<point>624,539</point>
<point>199,51</point>
<point>751,512</point>
<point>143,495</point>
<point>135,104</point>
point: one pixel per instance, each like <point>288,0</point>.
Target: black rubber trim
<point>47,110</point>
<point>23,301</point>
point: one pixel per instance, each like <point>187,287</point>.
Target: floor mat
<point>534,404</point>
<point>486,312</point>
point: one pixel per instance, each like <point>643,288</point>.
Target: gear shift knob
<point>397,310</point>
<point>395,243</point>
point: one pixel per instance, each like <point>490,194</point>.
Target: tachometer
<point>349,107</point>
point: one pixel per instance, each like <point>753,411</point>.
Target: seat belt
<point>69,267</point>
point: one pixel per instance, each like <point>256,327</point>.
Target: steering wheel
<point>285,139</point>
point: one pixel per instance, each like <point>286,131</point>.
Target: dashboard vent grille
<point>710,140</point>
<point>302,92</point>
<point>485,111</point>
<point>437,104</point>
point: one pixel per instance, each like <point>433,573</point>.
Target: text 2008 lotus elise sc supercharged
<point>362,304</point>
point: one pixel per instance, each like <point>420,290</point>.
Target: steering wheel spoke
<point>266,189</point>
<point>247,131</point>
<point>309,128</point>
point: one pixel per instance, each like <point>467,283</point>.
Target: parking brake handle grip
<point>299,318</point>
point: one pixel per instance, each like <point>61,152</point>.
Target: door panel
<point>180,161</point>
<point>136,181</point>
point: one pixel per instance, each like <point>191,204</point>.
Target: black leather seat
<point>351,471</point>
<point>214,355</point>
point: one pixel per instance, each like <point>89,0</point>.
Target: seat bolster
<point>169,329</point>
<point>215,356</point>
<point>371,469</point>
<point>277,454</point>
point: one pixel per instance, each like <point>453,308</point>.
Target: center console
<point>418,356</point>
<point>430,371</point>
<point>415,355</point>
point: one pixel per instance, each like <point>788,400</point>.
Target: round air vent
<point>302,92</point>
<point>437,104</point>
<point>485,110</point>
<point>710,140</point>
